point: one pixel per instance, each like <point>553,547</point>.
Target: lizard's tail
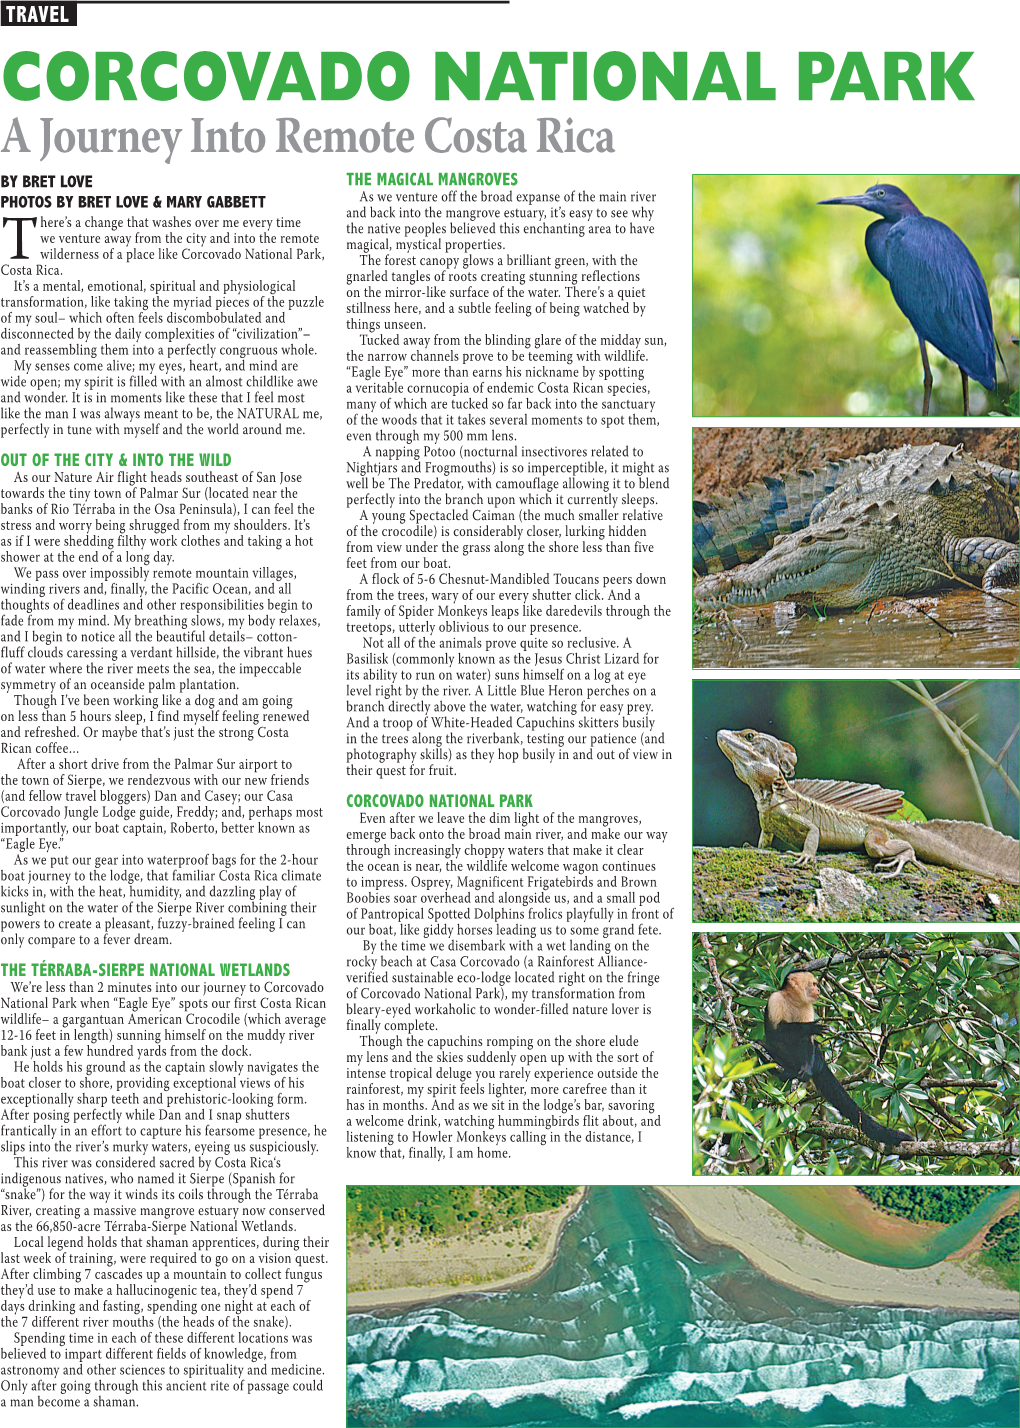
<point>831,1088</point>
<point>983,850</point>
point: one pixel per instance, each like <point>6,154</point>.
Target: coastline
<point>1010,1207</point>
<point>780,1249</point>
<point>450,1254</point>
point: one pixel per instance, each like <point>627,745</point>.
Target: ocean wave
<point>938,1386</point>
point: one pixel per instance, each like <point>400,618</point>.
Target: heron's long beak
<point>859,200</point>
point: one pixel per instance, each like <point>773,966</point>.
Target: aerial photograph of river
<point>697,1306</point>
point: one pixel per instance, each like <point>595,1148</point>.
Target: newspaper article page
<point>452,974</point>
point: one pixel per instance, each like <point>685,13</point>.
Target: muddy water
<point>953,629</point>
<point>855,1226</point>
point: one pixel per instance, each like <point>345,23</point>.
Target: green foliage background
<point>791,319</point>
<point>923,1009</point>
<point>435,1210</point>
<point>945,1204</point>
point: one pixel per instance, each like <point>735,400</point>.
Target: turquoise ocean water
<point>638,1322</point>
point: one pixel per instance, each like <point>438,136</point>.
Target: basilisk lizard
<point>829,814</point>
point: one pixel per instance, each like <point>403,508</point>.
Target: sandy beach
<point>782,1250</point>
<point>429,1270</point>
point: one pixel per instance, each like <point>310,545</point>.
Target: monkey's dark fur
<point>790,1040</point>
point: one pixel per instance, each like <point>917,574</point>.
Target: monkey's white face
<point>804,986</point>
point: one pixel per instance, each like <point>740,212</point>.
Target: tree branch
<point>715,1161</point>
<point>927,1081</point>
<point>727,1004</point>
<point>916,1149</point>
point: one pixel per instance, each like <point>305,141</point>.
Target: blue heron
<point>936,283</point>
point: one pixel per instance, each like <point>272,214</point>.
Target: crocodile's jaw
<point>806,567</point>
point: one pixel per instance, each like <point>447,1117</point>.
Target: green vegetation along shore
<point>415,1242</point>
<point>376,1211</point>
<point>946,1205</point>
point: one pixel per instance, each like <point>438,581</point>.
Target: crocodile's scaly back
<point>746,526</point>
<point>890,523</point>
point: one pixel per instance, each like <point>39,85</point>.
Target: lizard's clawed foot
<point>897,864</point>
<point>803,860</point>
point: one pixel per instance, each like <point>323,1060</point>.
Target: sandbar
<point>427,1270</point>
<point>784,1251</point>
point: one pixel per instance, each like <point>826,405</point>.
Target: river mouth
<point>640,1320</point>
<point>857,1227</point>
<point>957,628</point>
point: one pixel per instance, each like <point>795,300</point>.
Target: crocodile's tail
<point>970,847</point>
<point>1008,480</point>
<point>744,528</point>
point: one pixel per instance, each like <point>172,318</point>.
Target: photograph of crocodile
<point>855,548</point>
<point>820,768</point>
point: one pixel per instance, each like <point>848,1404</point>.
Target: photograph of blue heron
<point>913,312</point>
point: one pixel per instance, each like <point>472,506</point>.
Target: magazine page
<point>433,939</point>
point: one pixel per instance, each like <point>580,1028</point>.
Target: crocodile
<point>892,523</point>
<point>831,814</point>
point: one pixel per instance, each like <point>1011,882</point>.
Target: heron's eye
<point>880,193</point>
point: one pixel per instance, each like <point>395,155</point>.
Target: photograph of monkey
<point>790,1033</point>
<point>919,1071</point>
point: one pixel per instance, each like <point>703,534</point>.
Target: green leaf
<point>907,813</point>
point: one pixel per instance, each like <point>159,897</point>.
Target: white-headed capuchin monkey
<point>790,1032</point>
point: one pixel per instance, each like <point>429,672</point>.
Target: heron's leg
<point>966,393</point>
<point>927,374</point>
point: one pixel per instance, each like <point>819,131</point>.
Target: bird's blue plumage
<point>935,281</point>
<point>939,288</point>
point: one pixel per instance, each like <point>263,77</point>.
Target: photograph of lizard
<point>833,815</point>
